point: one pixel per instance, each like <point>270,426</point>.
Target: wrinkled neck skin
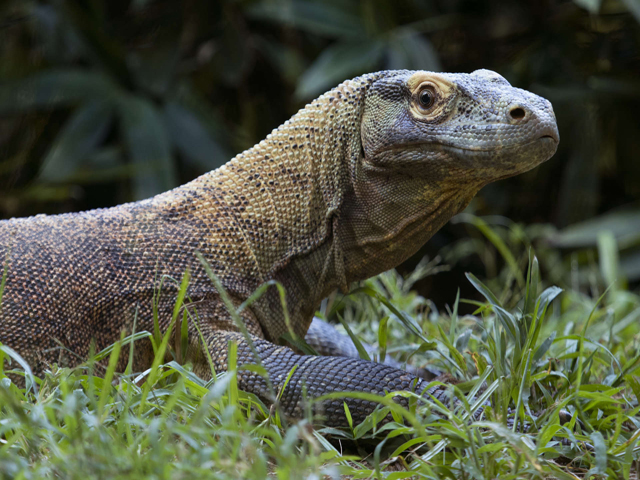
<point>388,216</point>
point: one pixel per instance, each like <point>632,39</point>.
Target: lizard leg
<point>326,340</point>
<point>314,376</point>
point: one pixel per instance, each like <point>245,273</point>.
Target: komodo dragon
<point>350,186</point>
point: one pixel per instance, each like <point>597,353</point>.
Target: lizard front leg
<point>313,377</point>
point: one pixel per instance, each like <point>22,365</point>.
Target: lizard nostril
<point>517,113</point>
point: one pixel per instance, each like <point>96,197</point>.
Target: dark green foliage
<point>143,95</point>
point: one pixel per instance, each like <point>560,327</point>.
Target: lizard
<point>352,185</point>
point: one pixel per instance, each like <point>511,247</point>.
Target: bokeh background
<point>108,101</point>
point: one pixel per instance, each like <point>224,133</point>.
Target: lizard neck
<point>283,197</point>
<point>391,212</point>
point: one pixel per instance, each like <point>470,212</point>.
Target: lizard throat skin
<point>350,186</point>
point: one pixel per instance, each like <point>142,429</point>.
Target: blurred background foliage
<point>108,101</point>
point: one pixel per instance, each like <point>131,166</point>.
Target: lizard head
<point>474,126</point>
<point>429,142</point>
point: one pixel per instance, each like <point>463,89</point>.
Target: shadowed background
<point>108,101</point>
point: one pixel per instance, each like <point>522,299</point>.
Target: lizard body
<point>350,186</point>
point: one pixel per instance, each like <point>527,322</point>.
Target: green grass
<point>537,349</point>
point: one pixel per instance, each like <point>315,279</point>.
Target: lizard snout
<point>541,119</point>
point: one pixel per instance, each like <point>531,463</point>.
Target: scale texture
<point>350,186</point>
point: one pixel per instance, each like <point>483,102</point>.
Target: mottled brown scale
<point>350,186</point>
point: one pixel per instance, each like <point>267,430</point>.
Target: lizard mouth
<point>512,158</point>
<point>533,152</point>
<point>545,139</point>
<point>506,161</point>
<point>549,137</point>
<point>551,134</point>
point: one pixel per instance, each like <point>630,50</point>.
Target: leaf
<point>287,59</point>
<point>84,131</point>
<point>382,337</point>
<point>234,56</point>
<point>498,243</point>
<point>154,68</point>
<point>408,49</point>
<point>523,395</point>
<point>234,313</point>
<point>462,342</point>
<point>30,379</point>
<point>634,384</point>
<point>601,454</point>
<point>109,157</point>
<point>405,319</point>
<point>609,260</point>
<point>623,225</point>
<point>191,138</point>
<point>99,43</point>
<point>147,142</point>
<point>592,6</point>
<point>633,6</point>
<point>356,341</point>
<point>546,297</point>
<point>544,347</point>
<point>182,292</point>
<point>348,415</point>
<point>483,289</point>
<point>286,381</point>
<point>60,44</point>
<point>111,368</point>
<point>127,340</point>
<point>531,287</point>
<point>313,17</point>
<point>299,343</point>
<point>629,366</point>
<point>338,63</point>
<point>54,88</point>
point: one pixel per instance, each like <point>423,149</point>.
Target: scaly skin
<point>349,187</point>
<point>326,340</point>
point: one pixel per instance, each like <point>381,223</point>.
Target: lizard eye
<point>426,97</point>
